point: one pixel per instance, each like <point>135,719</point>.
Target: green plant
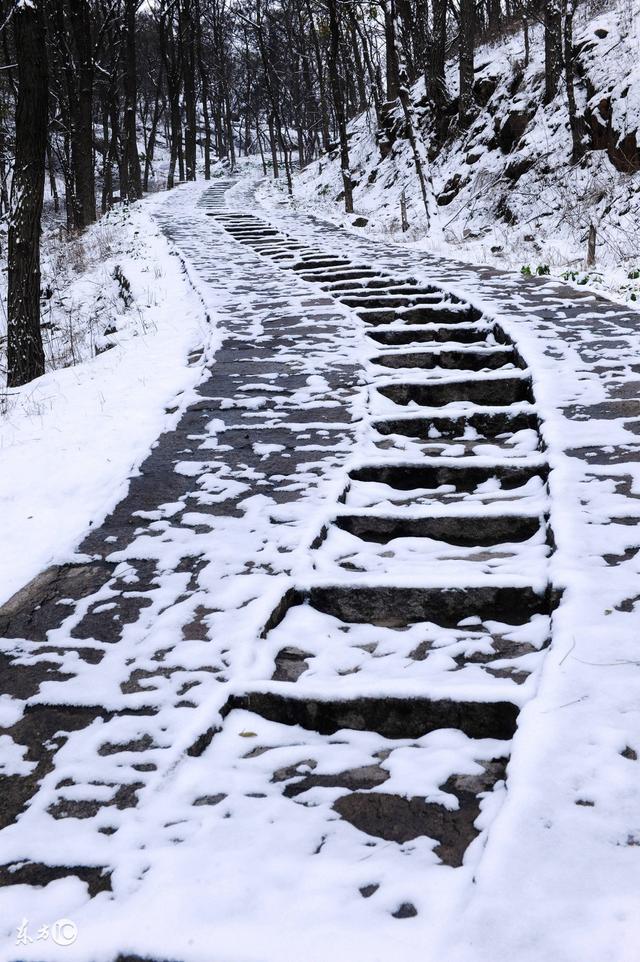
<point>526,270</point>
<point>542,270</point>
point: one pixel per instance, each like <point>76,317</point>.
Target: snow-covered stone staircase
<point>277,693</point>
<point>267,710</point>
<point>426,613</point>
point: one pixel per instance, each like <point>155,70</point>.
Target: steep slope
<point>505,190</point>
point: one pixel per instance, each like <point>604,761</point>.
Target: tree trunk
<point>204,93</point>
<point>189,70</point>
<point>324,112</point>
<point>467,39</point>
<point>274,148</point>
<point>260,147</point>
<point>53,186</point>
<point>359,73</point>
<point>153,134</point>
<point>373,79</point>
<point>4,195</point>
<point>407,108</point>
<point>494,14</point>
<point>437,85</point>
<point>591,246</point>
<point>25,355</point>
<point>576,120</point>
<point>131,159</point>
<point>390,50</point>
<point>81,108</point>
<point>338,104</point>
<point>552,48</point>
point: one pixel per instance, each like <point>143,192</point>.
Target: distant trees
<point>143,93</point>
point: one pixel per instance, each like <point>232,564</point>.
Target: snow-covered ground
<point>507,192</point>
<point>215,862</point>
<point>69,440</point>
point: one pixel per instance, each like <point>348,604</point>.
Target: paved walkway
<point>270,706</point>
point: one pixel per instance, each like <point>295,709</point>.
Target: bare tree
<point>467,41</point>
<point>576,118</point>
<point>130,173</point>
<point>25,355</point>
<point>337,88</point>
<point>552,48</point>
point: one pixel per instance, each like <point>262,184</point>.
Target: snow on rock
<point>506,191</point>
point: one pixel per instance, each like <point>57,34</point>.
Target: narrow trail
<point>276,696</point>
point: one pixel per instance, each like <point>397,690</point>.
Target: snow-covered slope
<point>505,191</point>
<point>69,440</point>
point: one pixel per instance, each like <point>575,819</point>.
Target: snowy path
<point>292,667</point>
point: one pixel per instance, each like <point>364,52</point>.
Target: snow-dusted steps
<point>296,696</point>
<point>428,607</point>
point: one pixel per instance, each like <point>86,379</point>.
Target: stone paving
<point>329,593</point>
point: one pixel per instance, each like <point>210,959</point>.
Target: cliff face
<point>508,182</point>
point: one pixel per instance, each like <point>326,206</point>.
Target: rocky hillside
<point>505,190</point>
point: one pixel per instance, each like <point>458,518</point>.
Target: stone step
<point>471,360</point>
<point>467,530</point>
<point>482,390</point>
<point>518,445</point>
<point>461,658</point>
<point>424,313</point>
<point>381,603</point>
<point>357,273</point>
<point>472,425</point>
<point>252,230</point>
<point>391,717</point>
<point>398,335</point>
<point>274,779</point>
<point>391,290</point>
<point>376,301</point>
<point>459,476</point>
<point>308,265</point>
<point>374,284</point>
<point>401,556</point>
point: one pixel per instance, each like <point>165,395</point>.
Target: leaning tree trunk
<point>153,136</point>
<point>419,163</point>
<point>25,356</point>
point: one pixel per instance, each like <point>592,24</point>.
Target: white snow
<point>70,440</point>
<point>253,875</point>
<point>552,203</point>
